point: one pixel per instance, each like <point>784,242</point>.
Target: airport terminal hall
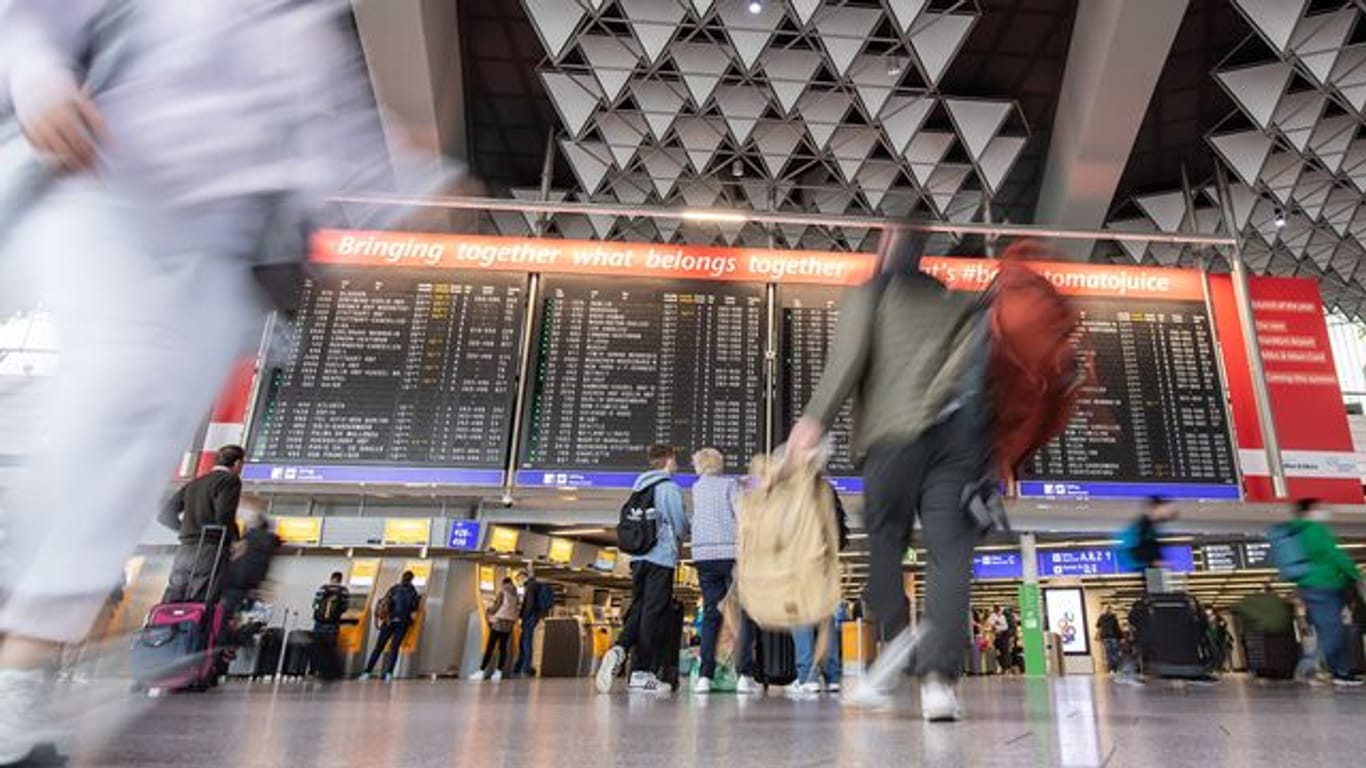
<point>679,383</point>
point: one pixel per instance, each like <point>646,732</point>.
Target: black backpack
<point>329,606</point>
<point>638,526</point>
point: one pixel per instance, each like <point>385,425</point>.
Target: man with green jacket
<point>1330,573</point>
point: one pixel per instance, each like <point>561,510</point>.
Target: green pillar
<point>1031,611</point>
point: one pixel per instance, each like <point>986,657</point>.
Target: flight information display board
<point>1154,414</point>
<point>622,364</point>
<point>806,329</point>
<point>393,375</point>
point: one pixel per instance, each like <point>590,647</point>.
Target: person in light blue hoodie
<point>652,583</point>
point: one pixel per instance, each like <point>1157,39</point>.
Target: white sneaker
<point>611,665</point>
<point>832,687</point>
<point>497,675</point>
<point>477,676</point>
<point>803,690</point>
<point>746,686</point>
<point>875,688</point>
<point>865,696</point>
<point>702,686</point>
<point>21,696</point>
<point>938,701</point>
<point>638,680</point>
<point>655,685</point>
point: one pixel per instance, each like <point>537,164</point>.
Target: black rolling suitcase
<point>1172,636</point>
<point>1354,649</point>
<point>1271,655</point>
<point>671,645</point>
<point>777,662</point>
<point>298,653</point>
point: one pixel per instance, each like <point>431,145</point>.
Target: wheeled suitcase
<point>1172,636</point>
<point>1354,649</point>
<point>178,646</point>
<point>298,653</point>
<point>1271,655</point>
<point>777,662</point>
<point>258,656</point>
<point>670,645</point>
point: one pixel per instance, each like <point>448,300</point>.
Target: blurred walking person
<point>162,149</point>
<point>911,354</point>
<point>1307,553</point>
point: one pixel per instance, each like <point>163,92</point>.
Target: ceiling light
<point>894,66</point>
<point>719,217</point>
<point>737,168</point>
<point>579,531</point>
<point>1280,218</point>
<point>756,7</point>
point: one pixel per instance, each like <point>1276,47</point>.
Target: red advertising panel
<point>1306,400</point>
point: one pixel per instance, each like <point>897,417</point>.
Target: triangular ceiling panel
<point>805,9</point>
<point>1242,197</point>
<point>1167,210</point>
<point>667,228</point>
<point>590,161</point>
<point>700,136</point>
<point>1274,19</point>
<point>1322,246</point>
<point>832,201</point>
<point>1257,89</point>
<point>1339,209</point>
<point>1295,234</point>
<point>1297,115</point>
<point>1256,255</point>
<point>1330,140</point>
<point>765,194</point>
<point>749,32</point>
<point>1245,152</point>
<point>1318,39</point>
<point>1347,259</point>
<point>611,59</point>
<point>905,12</point>
<point>602,225</point>
<point>964,206</point>
<point>1136,249</point>
<point>789,71</point>
<point>555,22</point>
<point>844,31</point>
<point>556,195</point>
<point>944,183</point>
<point>1281,174</point>
<point>902,117</point>
<point>936,39</point>
<point>872,82</point>
<point>823,112</point>
<point>653,22</point>
<point>576,98</point>
<point>742,105</point>
<point>632,188</point>
<point>926,152</point>
<point>776,142</point>
<point>665,165</point>
<point>998,159</point>
<point>851,145</point>
<point>624,131</point>
<point>596,5</point>
<point>702,7</point>
<point>899,203</point>
<point>660,102</point>
<point>511,224</point>
<point>876,178</point>
<point>574,226</point>
<point>977,122</point>
<point>792,234</point>
<point>1312,192</point>
<point>700,193</point>
<point>701,66</point>
<point>1349,71</point>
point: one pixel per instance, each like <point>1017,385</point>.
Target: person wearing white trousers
<point>140,250</point>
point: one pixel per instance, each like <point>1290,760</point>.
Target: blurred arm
<point>41,42</point>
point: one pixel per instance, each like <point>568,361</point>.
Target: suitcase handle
<point>199,548</point>
<point>156,637</point>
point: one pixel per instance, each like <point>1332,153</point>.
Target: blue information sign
<point>1101,561</point>
<point>997,565</point>
<point>464,535</point>
<point>341,473</point>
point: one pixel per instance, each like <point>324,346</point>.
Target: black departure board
<point>395,367</point>
<point>1154,411</point>
<point>806,329</point>
<point>621,364</point>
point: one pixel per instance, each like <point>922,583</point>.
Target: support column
<point>1031,610</point>
<point>1242,297</point>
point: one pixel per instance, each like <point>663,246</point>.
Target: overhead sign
<point>299,530</point>
<point>606,560</point>
<point>1257,555</point>
<point>363,574</point>
<point>1222,557</point>
<point>464,535</point>
<point>1065,612</point>
<point>1102,561</point>
<point>503,539</point>
<point>407,531</point>
<point>997,565</point>
<point>561,551</point>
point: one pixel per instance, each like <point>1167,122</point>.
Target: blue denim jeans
<point>1325,613</point>
<point>805,640</point>
<point>714,577</point>
<point>1113,659</point>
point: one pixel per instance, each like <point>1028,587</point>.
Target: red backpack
<point>1035,369</point>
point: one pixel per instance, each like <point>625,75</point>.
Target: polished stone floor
<point>563,724</point>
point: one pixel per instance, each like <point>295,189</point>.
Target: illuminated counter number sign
<point>503,540</point>
<point>299,530</point>
<point>561,551</point>
<point>403,531</point>
<point>464,535</point>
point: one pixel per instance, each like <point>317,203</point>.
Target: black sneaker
<point>1351,681</point>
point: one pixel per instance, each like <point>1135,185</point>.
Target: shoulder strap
<point>653,485</point>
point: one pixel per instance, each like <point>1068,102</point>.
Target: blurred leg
<point>804,639</point>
